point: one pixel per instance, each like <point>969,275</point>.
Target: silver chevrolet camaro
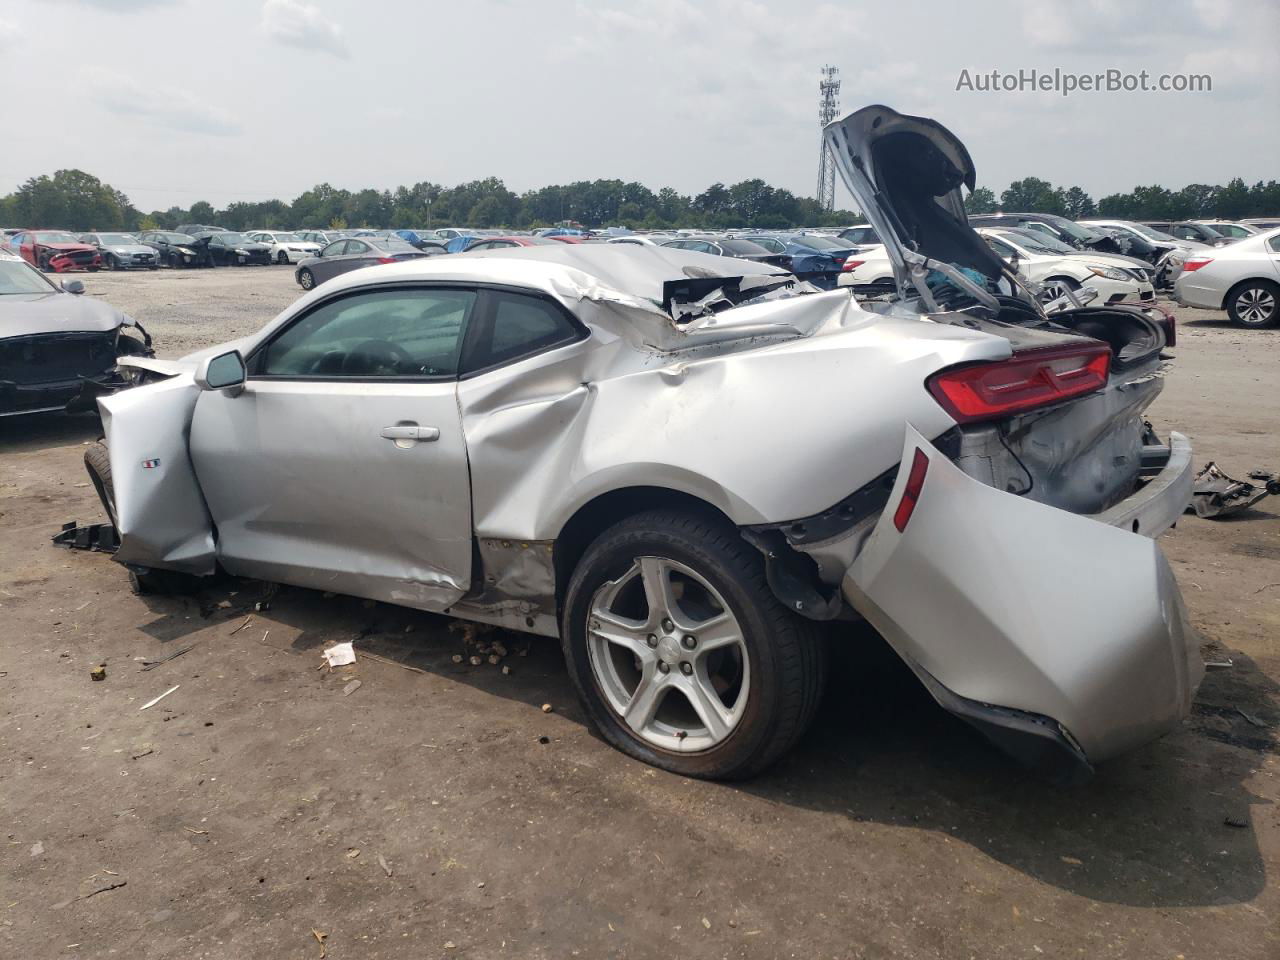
<point>682,465</point>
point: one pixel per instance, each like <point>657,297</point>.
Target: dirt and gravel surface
<point>262,810</point>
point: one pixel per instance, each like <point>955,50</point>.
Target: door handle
<point>411,432</point>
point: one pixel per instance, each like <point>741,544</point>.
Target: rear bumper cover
<point>1063,638</point>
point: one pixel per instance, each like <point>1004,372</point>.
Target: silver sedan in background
<point>351,254</point>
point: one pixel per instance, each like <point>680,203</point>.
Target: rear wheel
<point>1254,304</point>
<point>306,279</point>
<point>142,580</point>
<point>680,652</point>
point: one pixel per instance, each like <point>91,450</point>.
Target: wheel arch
<point>1257,278</point>
<point>590,519</point>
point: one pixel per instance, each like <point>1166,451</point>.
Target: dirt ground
<point>437,811</point>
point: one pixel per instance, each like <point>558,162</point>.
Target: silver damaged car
<point>683,466</point>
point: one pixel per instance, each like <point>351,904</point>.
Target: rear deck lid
<point>905,173</point>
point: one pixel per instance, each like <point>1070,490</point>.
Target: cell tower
<point>828,107</point>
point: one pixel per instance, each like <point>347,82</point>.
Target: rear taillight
<point>1195,263</point>
<point>911,493</point>
<point>1036,378</point>
<point>852,264</point>
<point>386,259</point>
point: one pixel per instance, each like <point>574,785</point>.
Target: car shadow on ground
<point>46,431</point>
<point>1149,830</point>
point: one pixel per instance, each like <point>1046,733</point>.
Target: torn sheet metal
<point>98,537</point>
<point>1216,495</point>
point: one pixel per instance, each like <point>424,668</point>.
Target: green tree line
<point>75,200</point>
<point>1234,201</point>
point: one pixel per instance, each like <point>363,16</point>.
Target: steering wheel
<point>377,356</point>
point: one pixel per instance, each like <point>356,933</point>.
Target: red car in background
<point>55,251</point>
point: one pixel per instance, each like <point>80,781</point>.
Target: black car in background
<point>1060,228</point>
<point>230,249</point>
<point>174,249</point>
<point>58,349</point>
<point>352,254</point>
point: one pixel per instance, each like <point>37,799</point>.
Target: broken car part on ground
<point>680,464</point>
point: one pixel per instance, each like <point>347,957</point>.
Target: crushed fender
<point>1215,495</point>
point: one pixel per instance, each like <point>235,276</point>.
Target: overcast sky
<point>174,101</point>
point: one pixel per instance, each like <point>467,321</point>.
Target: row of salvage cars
<point>687,467</point>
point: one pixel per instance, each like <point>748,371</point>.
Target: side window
<point>517,325</point>
<point>357,246</point>
<point>1274,243</point>
<point>1001,248</point>
<point>412,334</point>
<point>333,249</point>
<point>700,246</point>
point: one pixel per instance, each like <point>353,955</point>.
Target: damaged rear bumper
<point>1064,639</point>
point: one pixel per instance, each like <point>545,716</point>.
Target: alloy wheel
<point>1255,306</point>
<point>668,655</point>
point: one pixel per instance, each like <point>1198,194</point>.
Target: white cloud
<point>302,25</point>
<point>167,106</point>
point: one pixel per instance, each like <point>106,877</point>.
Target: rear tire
<point>142,580</point>
<point>1255,303</point>
<point>771,663</point>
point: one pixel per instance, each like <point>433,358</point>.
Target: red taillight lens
<point>1195,263</point>
<point>1025,381</point>
<point>852,264</point>
<point>387,260</point>
<point>911,494</point>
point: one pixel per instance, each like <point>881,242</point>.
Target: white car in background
<point>286,247</point>
<point>1242,278</point>
<point>1117,279</point>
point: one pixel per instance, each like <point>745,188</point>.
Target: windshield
<point>17,277</point>
<point>230,238</point>
<point>821,243</point>
<point>861,235</point>
<point>288,238</point>
<point>391,246</point>
<point>743,248</point>
<point>1040,242</point>
<point>179,238</point>
<point>117,238</point>
<point>1149,232</point>
<point>51,236</point>
<point>1211,231</point>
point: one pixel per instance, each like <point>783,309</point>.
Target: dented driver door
<point>342,466</point>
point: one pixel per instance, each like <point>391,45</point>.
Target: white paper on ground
<point>340,654</point>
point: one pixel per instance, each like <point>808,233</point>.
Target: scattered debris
<point>476,661</point>
<point>144,753</point>
<point>241,627</point>
<point>547,708</point>
<point>351,688</point>
<point>1267,585</point>
<point>152,664</point>
<point>340,654</point>
<point>100,537</point>
<point>1214,494</point>
<point>37,848</point>
<point>706,923</point>
<point>457,658</point>
<point>506,670</point>
<point>320,939</point>
<point>544,740</point>
<point>1072,861</point>
<point>1226,663</point>
<point>386,867</point>
<point>99,672</point>
<point>198,833</point>
<point>92,893</point>
<point>152,703</point>
<point>1252,720</point>
<point>353,853</point>
<point>1238,822</point>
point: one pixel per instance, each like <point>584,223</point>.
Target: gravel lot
<point>436,811</point>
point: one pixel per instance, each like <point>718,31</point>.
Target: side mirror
<point>226,372</point>
<point>73,286</point>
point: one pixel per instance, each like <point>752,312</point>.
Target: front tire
<point>680,652</point>
<point>282,258</point>
<point>1255,303</point>
<point>306,279</point>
